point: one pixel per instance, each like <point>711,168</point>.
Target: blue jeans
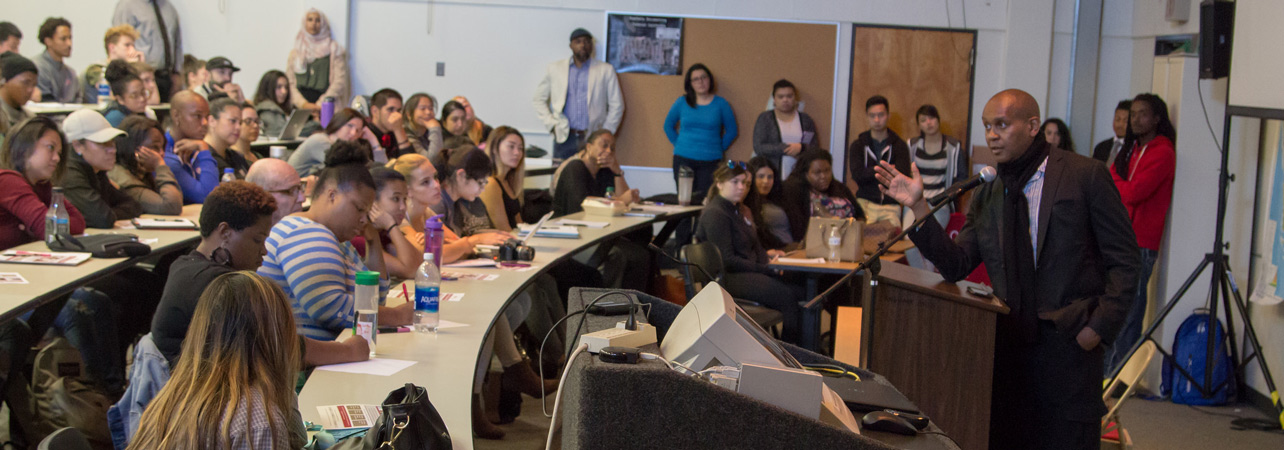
<point>565,150</point>
<point>1131,331</point>
<point>89,324</point>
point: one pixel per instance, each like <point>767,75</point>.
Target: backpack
<point>61,396</point>
<point>1190,347</point>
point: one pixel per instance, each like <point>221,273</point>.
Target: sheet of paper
<point>448,324</point>
<point>375,366</point>
<point>477,262</point>
<point>12,278</point>
<point>469,276</point>
<point>44,258</point>
<point>451,296</point>
<point>581,223</point>
<point>342,417</point>
<point>800,260</point>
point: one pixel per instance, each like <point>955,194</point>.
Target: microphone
<point>985,176</point>
<point>656,249</point>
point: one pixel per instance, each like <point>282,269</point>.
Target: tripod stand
<point>1222,285</point>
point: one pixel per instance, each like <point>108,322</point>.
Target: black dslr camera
<point>516,250</point>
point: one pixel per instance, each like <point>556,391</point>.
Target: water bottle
<point>327,111</point>
<point>427,296</point>
<point>610,192</point>
<point>228,175</point>
<point>434,235</point>
<point>104,91</point>
<point>834,242</point>
<point>686,180</point>
<point>56,219</point>
<point>367,308</point>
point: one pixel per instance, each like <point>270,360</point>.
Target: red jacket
<point>22,210</point>
<point>1147,190</point>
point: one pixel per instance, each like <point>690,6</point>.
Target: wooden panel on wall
<point>911,67</point>
<point>746,58</point>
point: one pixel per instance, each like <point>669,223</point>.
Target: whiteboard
<point>1257,60</point>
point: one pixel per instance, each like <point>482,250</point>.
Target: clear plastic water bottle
<point>228,175</point>
<point>366,305</point>
<point>427,296</point>
<point>56,219</point>
<point>834,241</point>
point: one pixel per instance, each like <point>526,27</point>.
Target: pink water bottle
<point>433,238</point>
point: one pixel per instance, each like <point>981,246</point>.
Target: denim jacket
<point>149,375</point>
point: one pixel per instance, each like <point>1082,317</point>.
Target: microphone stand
<point>872,263</point>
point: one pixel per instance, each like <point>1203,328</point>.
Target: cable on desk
<point>543,400</point>
<point>832,368</point>
<point>552,425</point>
<point>580,328</point>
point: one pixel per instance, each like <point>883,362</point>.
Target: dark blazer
<point>766,136</point>
<point>1087,253</point>
<point>722,224</point>
<point>1101,152</point>
<point>1085,276</point>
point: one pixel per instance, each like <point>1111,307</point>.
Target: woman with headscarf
<point>317,67</point>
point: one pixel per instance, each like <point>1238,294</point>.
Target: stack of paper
<point>546,231</point>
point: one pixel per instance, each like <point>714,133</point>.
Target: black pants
<point>1047,394</point>
<point>771,292</point>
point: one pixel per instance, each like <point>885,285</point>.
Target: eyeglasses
<point>291,192</point>
<point>732,164</point>
<point>255,122</point>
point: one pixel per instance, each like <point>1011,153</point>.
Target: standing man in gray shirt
<point>578,95</point>
<point>159,39</point>
<point>57,82</point>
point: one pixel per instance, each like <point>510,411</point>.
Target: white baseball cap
<point>89,125</point>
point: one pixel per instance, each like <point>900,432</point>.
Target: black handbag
<point>107,245</point>
<point>409,421</point>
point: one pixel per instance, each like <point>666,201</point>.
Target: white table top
<point>446,361</point>
<point>45,283</point>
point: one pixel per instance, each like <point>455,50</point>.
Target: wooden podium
<point>935,343</point>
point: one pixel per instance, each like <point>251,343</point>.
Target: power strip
<point>619,337</point>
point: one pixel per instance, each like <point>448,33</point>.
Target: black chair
<point>707,256</point>
<point>65,439</point>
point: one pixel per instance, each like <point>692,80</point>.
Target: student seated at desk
<point>399,254</point>
<point>223,131</point>
<point>86,183</point>
<point>128,96</point>
<point>346,125</point>
<point>272,102</point>
<point>812,191</point>
<point>764,200</point>
<point>186,152</point>
<point>233,386</point>
<point>503,192</point>
<point>30,164</point>
<point>235,222</point>
<point>141,172</point>
<point>17,85</point>
<point>591,172</point>
<point>250,127</point>
<point>726,223</point>
<point>309,256</point>
<point>420,117</point>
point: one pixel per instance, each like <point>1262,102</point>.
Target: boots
<point>521,377</point>
<point>481,426</point>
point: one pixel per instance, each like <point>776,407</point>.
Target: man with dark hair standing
<point>1106,150</point>
<point>578,95</point>
<point>385,123</point>
<point>159,39</point>
<point>57,82</point>
<point>879,143</point>
<point>1060,250</point>
<point>10,37</point>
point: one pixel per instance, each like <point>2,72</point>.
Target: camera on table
<point>515,250</point>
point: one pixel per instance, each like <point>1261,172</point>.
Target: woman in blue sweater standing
<point>701,126</point>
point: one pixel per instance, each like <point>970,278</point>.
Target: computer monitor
<point>711,330</point>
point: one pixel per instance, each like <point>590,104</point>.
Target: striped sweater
<point>318,273</point>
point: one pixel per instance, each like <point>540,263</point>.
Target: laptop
<point>868,395</point>
<point>292,128</point>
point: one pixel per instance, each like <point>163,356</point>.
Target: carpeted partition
<point>648,405</point>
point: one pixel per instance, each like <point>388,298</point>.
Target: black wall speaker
<point>1216,25</point>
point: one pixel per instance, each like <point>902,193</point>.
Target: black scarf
<point>1018,253</point>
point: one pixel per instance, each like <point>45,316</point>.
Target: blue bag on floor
<point>1190,348</point>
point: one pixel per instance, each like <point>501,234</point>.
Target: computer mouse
<point>887,422</point>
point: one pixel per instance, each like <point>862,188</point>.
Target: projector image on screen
<point>713,331</point>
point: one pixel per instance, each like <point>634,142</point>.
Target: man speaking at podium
<point>1058,245</point>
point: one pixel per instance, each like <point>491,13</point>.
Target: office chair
<point>707,256</point>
